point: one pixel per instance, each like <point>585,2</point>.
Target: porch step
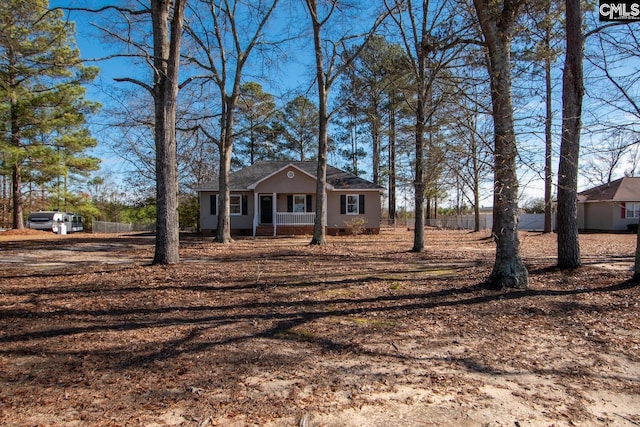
<point>264,230</point>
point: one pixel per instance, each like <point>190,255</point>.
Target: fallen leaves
<point>261,331</point>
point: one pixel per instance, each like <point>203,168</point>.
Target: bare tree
<point>613,56</point>
<point>544,31</point>
<point>572,94</point>
<point>497,19</point>
<point>167,20</point>
<point>167,17</point>
<point>225,32</point>
<point>607,158</point>
<point>470,153</point>
<point>337,59</point>
<point>619,123</point>
<point>431,42</point>
<point>166,14</point>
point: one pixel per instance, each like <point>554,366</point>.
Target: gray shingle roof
<point>244,178</point>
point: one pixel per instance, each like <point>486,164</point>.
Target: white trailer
<point>58,222</point>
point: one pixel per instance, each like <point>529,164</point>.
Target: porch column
<point>274,210</point>
<point>255,212</point>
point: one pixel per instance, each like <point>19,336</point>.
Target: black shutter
<point>289,203</point>
<point>343,204</point>
<point>309,204</point>
<point>245,204</point>
<point>361,204</point>
<point>213,204</point>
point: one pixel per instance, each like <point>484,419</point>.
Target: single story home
<point>272,198</point>
<point>610,207</point>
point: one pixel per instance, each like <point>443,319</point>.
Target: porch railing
<point>295,218</point>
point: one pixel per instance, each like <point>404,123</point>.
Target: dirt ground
<point>274,332</point>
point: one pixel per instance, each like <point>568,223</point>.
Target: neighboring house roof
<point>625,189</point>
<point>247,178</point>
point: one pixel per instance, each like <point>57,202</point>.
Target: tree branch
<point>135,81</point>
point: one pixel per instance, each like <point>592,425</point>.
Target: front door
<point>266,209</point>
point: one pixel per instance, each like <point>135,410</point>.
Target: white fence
<point>460,222</point>
<point>119,227</point>
<point>534,222</point>
<point>527,222</point>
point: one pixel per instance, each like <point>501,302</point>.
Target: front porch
<point>287,223</point>
<point>283,214</point>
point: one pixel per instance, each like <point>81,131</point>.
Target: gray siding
<point>301,183</point>
<point>581,216</point>
<point>210,222</point>
<point>619,223</point>
<point>371,211</point>
<point>598,216</point>
<point>603,216</point>
<point>207,221</point>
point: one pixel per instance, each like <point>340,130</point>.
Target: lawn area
<point>274,332</point>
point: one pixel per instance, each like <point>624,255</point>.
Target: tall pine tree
<point>42,105</point>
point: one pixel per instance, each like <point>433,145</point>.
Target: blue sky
<point>295,74</point>
<point>96,52</point>
<point>101,89</point>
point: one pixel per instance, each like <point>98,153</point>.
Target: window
<point>235,204</point>
<point>299,203</point>
<point>352,204</point>
<point>632,210</point>
<point>213,204</point>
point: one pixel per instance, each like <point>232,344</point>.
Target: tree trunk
<point>476,183</point>
<point>319,226</point>
<point>418,184</point>
<point>16,179</point>
<point>508,270</point>
<point>375,155</point>
<point>392,161</point>
<point>16,192</point>
<point>5,199</point>
<point>166,63</point>
<point>572,92</point>
<point>548,150</point>
<point>636,265</point>
<point>223,232</point>
<point>319,232</point>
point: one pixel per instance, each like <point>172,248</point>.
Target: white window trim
<point>239,196</point>
<point>632,210</point>
<point>304,203</point>
<point>357,204</point>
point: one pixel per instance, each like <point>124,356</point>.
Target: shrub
<point>356,225</point>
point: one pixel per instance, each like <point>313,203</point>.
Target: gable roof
<point>625,189</point>
<point>247,178</point>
